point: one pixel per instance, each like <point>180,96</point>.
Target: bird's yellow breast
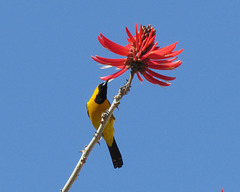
<point>95,111</point>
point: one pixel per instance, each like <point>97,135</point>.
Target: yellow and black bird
<point>98,104</point>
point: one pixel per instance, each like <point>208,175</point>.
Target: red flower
<point>142,55</point>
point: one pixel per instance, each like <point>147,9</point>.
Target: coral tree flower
<point>141,55</point>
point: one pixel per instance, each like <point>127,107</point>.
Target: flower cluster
<point>141,55</point>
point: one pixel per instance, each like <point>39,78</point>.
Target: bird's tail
<point>115,155</point>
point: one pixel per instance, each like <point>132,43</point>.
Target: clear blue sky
<point>183,138</point>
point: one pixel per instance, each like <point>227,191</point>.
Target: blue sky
<point>181,138</point>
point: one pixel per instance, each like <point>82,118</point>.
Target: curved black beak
<point>105,83</point>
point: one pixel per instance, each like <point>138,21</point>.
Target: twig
<point>105,117</point>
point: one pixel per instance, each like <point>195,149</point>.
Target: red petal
<point>137,37</point>
<point>129,41</point>
<point>155,81</point>
<point>140,34</point>
<point>148,53</point>
<point>172,54</point>
<point>148,42</point>
<point>115,75</point>
<point>130,35</point>
<point>114,47</point>
<point>163,77</point>
<point>129,47</point>
<point>157,62</point>
<point>141,47</point>
<point>163,51</point>
<point>149,37</point>
<point>108,61</point>
<point>139,77</point>
<point>168,66</point>
<point>152,39</point>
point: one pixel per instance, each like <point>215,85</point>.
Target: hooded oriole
<point>98,104</point>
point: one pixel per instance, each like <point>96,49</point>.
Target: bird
<point>97,105</point>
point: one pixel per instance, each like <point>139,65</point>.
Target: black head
<point>102,93</point>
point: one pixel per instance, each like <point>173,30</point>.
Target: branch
<point>105,117</point>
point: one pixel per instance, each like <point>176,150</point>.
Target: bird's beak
<point>105,83</point>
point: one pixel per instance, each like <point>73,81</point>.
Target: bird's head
<point>102,92</point>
